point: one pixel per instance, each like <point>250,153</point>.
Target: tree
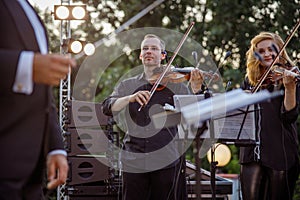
<point>221,26</point>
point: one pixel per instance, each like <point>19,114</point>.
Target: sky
<point>43,4</point>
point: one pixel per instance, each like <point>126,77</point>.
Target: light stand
<point>64,91</point>
<point>213,166</point>
<point>223,154</point>
<point>65,84</point>
<point>197,159</point>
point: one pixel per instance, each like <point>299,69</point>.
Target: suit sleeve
<point>54,139</point>
<point>9,62</point>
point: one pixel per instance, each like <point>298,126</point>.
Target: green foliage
<point>233,166</point>
<point>221,26</point>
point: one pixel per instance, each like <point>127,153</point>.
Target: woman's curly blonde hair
<point>254,71</point>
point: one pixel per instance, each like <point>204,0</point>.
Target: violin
<point>179,75</point>
<point>282,70</point>
<point>187,72</point>
<point>279,71</point>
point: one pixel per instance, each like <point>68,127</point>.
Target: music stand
<point>229,128</point>
<point>234,127</point>
<point>195,113</point>
<point>180,101</point>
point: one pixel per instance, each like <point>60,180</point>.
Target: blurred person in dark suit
<point>29,133</point>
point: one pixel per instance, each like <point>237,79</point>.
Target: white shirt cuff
<point>23,81</point>
<point>55,152</point>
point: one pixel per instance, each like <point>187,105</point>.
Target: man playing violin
<point>270,169</point>
<point>151,162</point>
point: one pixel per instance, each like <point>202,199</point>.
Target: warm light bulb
<point>89,49</point>
<point>78,12</point>
<point>62,12</point>
<point>222,154</point>
<point>76,47</point>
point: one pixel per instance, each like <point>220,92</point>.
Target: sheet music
<point>226,112</point>
<point>193,114</point>
<point>227,127</point>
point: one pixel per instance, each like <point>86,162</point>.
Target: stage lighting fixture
<point>89,49</point>
<point>70,12</point>
<point>76,46</point>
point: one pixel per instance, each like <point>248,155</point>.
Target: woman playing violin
<point>270,169</point>
<point>147,175</point>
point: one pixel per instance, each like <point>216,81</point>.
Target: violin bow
<point>265,74</point>
<point>160,78</point>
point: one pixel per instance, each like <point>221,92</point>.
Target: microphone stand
<point>200,131</point>
<point>213,164</point>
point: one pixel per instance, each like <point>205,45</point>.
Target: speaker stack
<point>89,141</point>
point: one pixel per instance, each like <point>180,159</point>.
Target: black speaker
<point>88,169</point>
<point>86,141</point>
<point>85,114</point>
<point>99,190</point>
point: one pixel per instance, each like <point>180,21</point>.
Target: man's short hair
<point>162,43</point>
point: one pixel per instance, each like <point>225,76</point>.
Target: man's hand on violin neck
<point>196,80</point>
<point>142,97</point>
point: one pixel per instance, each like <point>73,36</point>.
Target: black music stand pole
<point>214,163</point>
<point>199,132</point>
